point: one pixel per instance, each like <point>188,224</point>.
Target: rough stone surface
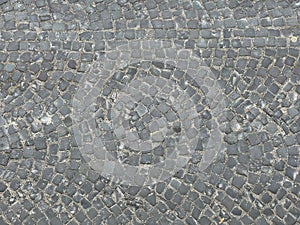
<point>251,47</point>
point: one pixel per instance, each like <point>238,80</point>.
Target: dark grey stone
<point>291,173</point>
<point>151,199</point>
<point>9,67</point>
<point>146,159</point>
<point>13,46</point>
<point>3,187</point>
<point>40,143</point>
<point>87,57</point>
<point>204,220</point>
<point>72,64</point>
<point>43,76</point>
<point>289,61</point>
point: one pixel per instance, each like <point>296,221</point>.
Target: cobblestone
<point>252,49</point>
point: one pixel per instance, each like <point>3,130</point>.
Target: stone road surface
<point>248,111</point>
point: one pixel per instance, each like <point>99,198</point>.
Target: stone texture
<point>250,47</point>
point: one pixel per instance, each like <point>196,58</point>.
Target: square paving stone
<point>40,143</point>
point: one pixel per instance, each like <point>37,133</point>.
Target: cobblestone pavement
<point>149,112</point>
